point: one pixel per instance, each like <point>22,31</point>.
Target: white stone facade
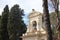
<point>38,33</point>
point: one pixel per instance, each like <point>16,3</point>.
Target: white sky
<point>27,5</point>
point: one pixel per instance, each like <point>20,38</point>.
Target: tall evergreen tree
<point>4,20</point>
<point>16,26</point>
<point>47,20</point>
<point>0,29</point>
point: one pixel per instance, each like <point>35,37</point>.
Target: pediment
<point>33,14</point>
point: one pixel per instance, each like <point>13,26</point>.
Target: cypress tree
<point>0,29</point>
<point>4,20</point>
<point>16,26</point>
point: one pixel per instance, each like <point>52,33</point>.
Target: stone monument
<point>34,29</point>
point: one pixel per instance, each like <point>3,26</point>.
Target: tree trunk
<point>58,19</point>
<point>47,20</point>
<point>56,7</point>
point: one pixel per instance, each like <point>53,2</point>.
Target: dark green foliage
<point>0,29</point>
<point>4,20</point>
<point>16,26</point>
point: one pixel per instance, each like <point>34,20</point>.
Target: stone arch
<point>34,25</point>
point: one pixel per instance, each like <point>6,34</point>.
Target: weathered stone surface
<point>32,34</point>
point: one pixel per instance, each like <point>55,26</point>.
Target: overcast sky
<point>27,5</point>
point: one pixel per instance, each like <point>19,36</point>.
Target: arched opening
<point>35,25</point>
